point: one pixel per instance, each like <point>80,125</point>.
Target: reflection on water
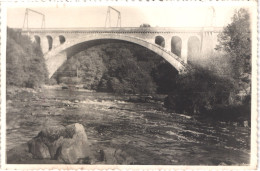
<point>144,131</point>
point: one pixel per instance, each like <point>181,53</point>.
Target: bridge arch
<point>50,42</point>
<point>62,39</point>
<point>159,40</point>
<point>37,39</point>
<point>176,45</point>
<point>56,57</point>
<point>193,49</point>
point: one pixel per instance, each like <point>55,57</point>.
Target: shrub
<point>199,91</point>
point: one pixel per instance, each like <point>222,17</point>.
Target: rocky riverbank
<point>68,145</point>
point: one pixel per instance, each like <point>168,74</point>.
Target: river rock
<point>117,156</point>
<point>39,149</point>
<point>67,144</point>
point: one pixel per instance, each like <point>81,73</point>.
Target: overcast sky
<point>169,16</point>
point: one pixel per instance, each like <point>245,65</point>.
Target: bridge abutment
<point>56,41</point>
<point>168,44</point>
<point>54,63</point>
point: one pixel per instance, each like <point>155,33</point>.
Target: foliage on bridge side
<point>199,91</point>
<point>25,65</point>
<point>205,94</point>
<point>219,87</point>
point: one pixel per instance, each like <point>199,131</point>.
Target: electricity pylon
<point>210,17</point>
<point>26,18</point>
<point>108,17</point>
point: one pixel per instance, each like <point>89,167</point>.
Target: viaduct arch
<point>173,44</point>
<point>56,56</point>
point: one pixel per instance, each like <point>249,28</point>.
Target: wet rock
<point>117,156</point>
<point>75,148</point>
<point>235,123</point>
<point>245,124</point>
<point>222,164</point>
<point>38,149</point>
<point>64,87</point>
<point>67,144</point>
<point>21,155</point>
<point>18,154</point>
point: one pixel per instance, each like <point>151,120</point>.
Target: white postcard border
<point>45,3</point>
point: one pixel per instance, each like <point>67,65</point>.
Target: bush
<point>198,92</point>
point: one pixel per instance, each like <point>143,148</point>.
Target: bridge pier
<point>44,45</point>
<point>184,50</point>
<point>168,44</point>
<point>56,41</point>
<point>208,43</point>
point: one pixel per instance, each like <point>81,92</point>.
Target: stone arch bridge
<point>176,45</point>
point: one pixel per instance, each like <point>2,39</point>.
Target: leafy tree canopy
<point>235,40</point>
<point>25,64</point>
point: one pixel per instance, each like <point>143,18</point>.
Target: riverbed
<point>144,131</point>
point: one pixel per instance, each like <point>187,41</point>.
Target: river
<point>145,131</point>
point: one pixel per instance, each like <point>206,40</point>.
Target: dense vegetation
<point>220,88</point>
<point>235,41</point>
<point>25,66</point>
<point>119,68</point>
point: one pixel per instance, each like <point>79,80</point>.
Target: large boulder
<point>67,144</point>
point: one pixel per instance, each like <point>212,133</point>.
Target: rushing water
<point>144,131</point>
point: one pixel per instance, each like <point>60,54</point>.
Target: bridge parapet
<point>125,30</point>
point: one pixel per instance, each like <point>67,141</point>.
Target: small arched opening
<point>193,49</point>
<point>37,39</point>
<point>62,39</point>
<point>50,42</point>
<point>159,40</point>
<point>176,45</point>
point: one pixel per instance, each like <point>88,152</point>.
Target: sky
<point>131,16</point>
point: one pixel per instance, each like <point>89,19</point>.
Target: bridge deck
<point>129,29</point>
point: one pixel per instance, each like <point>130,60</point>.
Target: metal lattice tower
<point>26,18</point>
<point>108,17</point>
<point>210,17</point>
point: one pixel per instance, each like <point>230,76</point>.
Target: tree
<point>235,40</point>
<point>145,25</point>
<point>25,64</point>
<point>199,91</point>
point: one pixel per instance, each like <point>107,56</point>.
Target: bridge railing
<point>126,29</point>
